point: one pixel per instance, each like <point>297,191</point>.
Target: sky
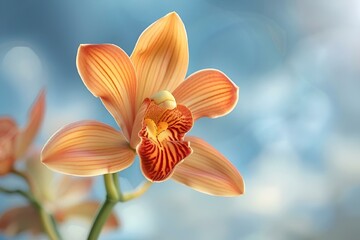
<point>294,134</point>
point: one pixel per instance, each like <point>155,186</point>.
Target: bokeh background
<point>294,135</point>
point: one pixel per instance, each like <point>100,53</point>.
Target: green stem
<point>25,177</point>
<point>101,218</point>
<point>112,197</point>
<point>46,219</point>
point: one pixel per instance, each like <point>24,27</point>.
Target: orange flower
<point>155,108</point>
<point>14,141</point>
<point>65,201</point>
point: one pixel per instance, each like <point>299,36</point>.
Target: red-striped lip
<point>162,144</point>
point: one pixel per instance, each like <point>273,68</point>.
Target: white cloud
<point>23,69</point>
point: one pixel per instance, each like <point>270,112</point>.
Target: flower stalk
<point>113,196</point>
<point>46,219</point>
<point>25,177</point>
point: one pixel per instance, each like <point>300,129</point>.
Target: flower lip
<point>162,145</point>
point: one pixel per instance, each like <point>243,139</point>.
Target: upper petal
<point>27,135</point>
<point>87,148</point>
<point>207,93</point>
<point>208,171</point>
<point>161,57</point>
<point>108,73</point>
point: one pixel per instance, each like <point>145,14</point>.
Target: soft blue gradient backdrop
<point>294,134</point>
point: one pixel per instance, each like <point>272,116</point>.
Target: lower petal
<point>208,171</point>
<point>87,148</point>
<point>17,220</point>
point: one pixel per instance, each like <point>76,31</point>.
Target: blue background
<point>294,134</point>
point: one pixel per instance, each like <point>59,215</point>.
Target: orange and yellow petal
<point>20,219</point>
<point>208,171</point>
<point>87,148</point>
<point>8,133</point>
<point>108,73</point>
<point>7,158</point>
<point>7,126</point>
<point>162,145</point>
<point>86,210</point>
<point>42,179</point>
<point>161,57</point>
<point>27,135</point>
<point>207,93</point>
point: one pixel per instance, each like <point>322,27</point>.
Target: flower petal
<point>72,190</point>
<point>87,148</point>
<point>135,139</point>
<point>43,180</point>
<point>26,136</point>
<point>208,171</point>
<point>17,220</point>
<point>207,93</point>
<point>162,144</point>
<point>161,57</point>
<point>8,132</point>
<point>86,210</point>
<point>7,126</point>
<point>108,73</point>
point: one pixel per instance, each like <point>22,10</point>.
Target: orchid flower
<point>66,201</point>
<point>15,141</point>
<point>155,107</point>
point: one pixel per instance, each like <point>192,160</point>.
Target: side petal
<point>17,220</point>
<point>87,211</point>
<point>208,171</point>
<point>161,57</point>
<point>8,132</point>
<point>108,73</point>
<point>87,148</point>
<point>26,136</point>
<point>207,93</point>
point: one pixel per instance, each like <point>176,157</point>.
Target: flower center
<point>162,145</point>
<point>156,132</point>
